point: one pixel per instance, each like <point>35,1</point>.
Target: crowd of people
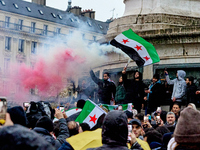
<point>44,126</point>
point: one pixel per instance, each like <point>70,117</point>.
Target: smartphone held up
<point>3,109</point>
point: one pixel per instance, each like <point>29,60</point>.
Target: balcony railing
<point>28,29</point>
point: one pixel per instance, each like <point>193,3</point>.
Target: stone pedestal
<point>176,7</point>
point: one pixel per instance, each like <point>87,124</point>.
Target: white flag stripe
<point>95,112</point>
<point>143,53</point>
<point>72,111</point>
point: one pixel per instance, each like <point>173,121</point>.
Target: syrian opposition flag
<point>124,107</point>
<point>90,114</point>
<point>137,48</point>
<point>70,112</point>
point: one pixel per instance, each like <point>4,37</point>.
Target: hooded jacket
<point>115,132</point>
<point>179,85</point>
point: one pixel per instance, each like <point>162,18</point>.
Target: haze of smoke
<point>55,66</point>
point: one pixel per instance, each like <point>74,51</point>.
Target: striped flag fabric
<point>117,107</point>
<point>90,114</point>
<point>137,48</point>
<point>70,112</point>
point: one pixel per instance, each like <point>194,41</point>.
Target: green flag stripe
<point>87,109</point>
<point>149,47</point>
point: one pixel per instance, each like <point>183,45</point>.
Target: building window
<point>20,24</point>
<point>28,8</point>
<point>94,38</point>
<point>60,17</point>
<point>89,23</point>
<point>7,22</point>
<point>71,19</point>
<point>45,29</point>
<point>21,45</point>
<point>41,12</point>
<point>58,31</point>
<point>6,65</point>
<point>33,47</point>
<point>83,36</point>
<point>15,5</point>
<point>8,43</point>
<point>33,27</point>
<point>101,27</point>
<point>3,3</point>
<point>53,15</point>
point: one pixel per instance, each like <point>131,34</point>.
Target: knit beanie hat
<point>17,115</point>
<point>46,123</point>
<point>187,129</point>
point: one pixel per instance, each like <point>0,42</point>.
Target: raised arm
<point>94,78</point>
<point>170,82</point>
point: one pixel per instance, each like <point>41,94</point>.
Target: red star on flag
<point>147,58</point>
<point>76,109</point>
<point>93,118</point>
<point>125,41</point>
<point>138,47</point>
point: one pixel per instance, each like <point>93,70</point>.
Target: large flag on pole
<point>90,114</point>
<point>137,48</point>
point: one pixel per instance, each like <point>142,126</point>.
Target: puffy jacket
<point>179,85</point>
<point>106,89</point>
<point>63,134</point>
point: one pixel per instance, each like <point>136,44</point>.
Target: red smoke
<point>48,74</point>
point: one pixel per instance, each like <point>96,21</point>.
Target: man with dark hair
<point>155,94</point>
<point>191,91</point>
<point>176,110</point>
<point>106,89</point>
<point>134,90</point>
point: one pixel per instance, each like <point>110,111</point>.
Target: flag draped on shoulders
<point>90,114</point>
<point>137,48</point>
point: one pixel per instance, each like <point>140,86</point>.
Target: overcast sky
<point>101,7</point>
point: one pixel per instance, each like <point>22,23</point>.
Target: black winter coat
<point>63,134</point>
<point>134,90</point>
<point>106,89</point>
<point>191,93</point>
<point>157,95</point>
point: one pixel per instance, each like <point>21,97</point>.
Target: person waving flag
<point>137,48</point>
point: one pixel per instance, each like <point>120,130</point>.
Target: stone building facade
<point>27,27</point>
